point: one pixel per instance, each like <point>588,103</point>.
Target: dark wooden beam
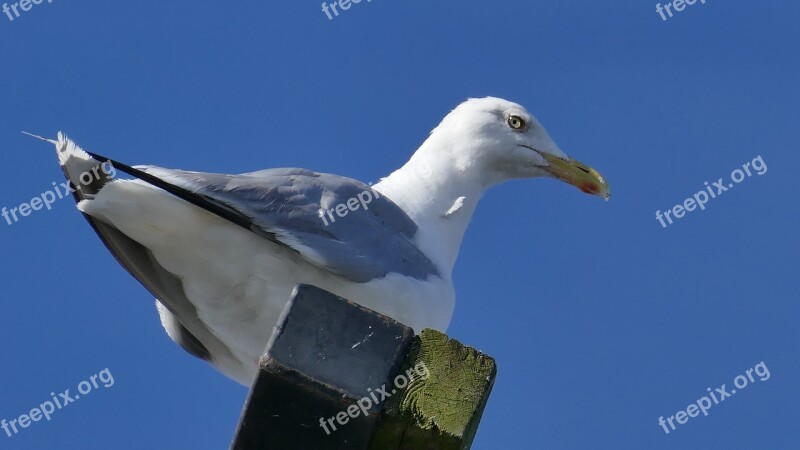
<point>338,376</point>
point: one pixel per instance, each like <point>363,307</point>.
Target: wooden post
<point>338,376</point>
<point>441,411</point>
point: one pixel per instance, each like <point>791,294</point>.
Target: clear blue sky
<point>600,319</point>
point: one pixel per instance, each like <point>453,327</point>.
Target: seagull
<point>222,253</point>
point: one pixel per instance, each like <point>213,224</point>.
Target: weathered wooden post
<point>336,375</point>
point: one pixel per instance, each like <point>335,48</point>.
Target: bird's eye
<point>516,122</point>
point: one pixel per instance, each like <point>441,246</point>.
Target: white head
<point>496,140</point>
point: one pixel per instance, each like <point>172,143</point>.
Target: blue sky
<point>600,319</point>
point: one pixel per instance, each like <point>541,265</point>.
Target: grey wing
<point>286,206</point>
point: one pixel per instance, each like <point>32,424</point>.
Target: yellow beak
<point>579,175</point>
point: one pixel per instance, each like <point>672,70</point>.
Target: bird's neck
<point>440,195</point>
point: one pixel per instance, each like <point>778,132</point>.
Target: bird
<point>222,253</point>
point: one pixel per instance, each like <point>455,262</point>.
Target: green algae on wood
<point>440,411</point>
